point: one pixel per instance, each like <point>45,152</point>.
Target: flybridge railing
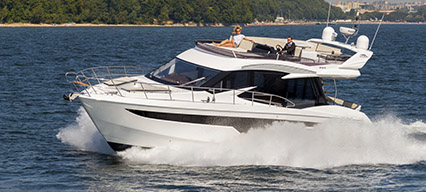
<point>116,76</point>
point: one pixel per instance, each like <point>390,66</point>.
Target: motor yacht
<point>209,93</point>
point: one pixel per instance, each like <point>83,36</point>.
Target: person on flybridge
<point>289,47</point>
<point>235,40</point>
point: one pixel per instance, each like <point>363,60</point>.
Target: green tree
<point>38,14</point>
<point>398,15</point>
<point>164,15</point>
<point>205,11</point>
<point>4,15</point>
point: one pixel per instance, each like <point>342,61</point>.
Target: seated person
<point>235,41</point>
<point>290,47</point>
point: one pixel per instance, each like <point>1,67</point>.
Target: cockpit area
<point>309,53</point>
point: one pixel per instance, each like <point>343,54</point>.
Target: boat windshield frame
<point>180,72</point>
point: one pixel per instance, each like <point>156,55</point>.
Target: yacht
<point>209,93</point>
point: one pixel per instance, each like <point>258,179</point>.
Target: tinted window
<point>264,80</point>
<point>181,72</point>
<point>303,91</point>
<point>300,91</point>
<point>234,80</point>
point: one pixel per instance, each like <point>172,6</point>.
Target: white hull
<point>120,126</point>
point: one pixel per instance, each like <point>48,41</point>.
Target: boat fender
<point>80,83</point>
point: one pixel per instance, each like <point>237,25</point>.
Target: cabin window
<point>264,79</point>
<point>181,72</point>
<point>235,80</point>
<point>304,92</point>
<point>242,79</point>
<point>300,91</point>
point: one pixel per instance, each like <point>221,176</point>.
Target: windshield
<point>181,72</point>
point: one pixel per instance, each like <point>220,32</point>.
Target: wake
<point>341,142</point>
<point>83,135</point>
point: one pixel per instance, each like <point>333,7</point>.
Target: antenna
<point>356,23</point>
<point>350,32</point>
<point>377,30</point>
<point>329,8</point>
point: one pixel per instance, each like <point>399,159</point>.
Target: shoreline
<point>194,25</point>
<point>81,25</point>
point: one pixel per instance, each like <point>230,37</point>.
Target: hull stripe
<point>241,124</point>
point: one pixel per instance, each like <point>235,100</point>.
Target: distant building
<point>279,20</point>
<point>347,6</point>
<point>342,5</point>
<point>380,5</point>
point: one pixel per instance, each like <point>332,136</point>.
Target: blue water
<point>49,144</point>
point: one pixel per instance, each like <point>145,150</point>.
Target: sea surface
<point>49,144</point>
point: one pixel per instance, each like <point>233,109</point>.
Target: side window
<point>308,92</point>
<point>291,89</point>
<point>303,89</point>
<point>268,82</point>
<point>258,80</point>
<point>301,92</point>
<point>240,80</point>
<point>235,80</point>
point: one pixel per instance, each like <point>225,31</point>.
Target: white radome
<point>362,42</point>
<point>328,34</point>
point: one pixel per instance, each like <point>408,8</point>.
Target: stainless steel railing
<point>90,77</point>
<point>97,75</point>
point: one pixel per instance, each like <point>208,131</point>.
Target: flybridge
<point>316,51</point>
<point>325,57</point>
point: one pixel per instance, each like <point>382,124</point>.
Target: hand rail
<point>112,81</point>
<point>98,77</point>
<point>215,90</point>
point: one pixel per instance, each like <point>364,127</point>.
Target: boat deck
<point>263,51</point>
<point>131,82</point>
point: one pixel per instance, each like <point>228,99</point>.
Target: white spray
<point>83,135</point>
<point>336,143</point>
